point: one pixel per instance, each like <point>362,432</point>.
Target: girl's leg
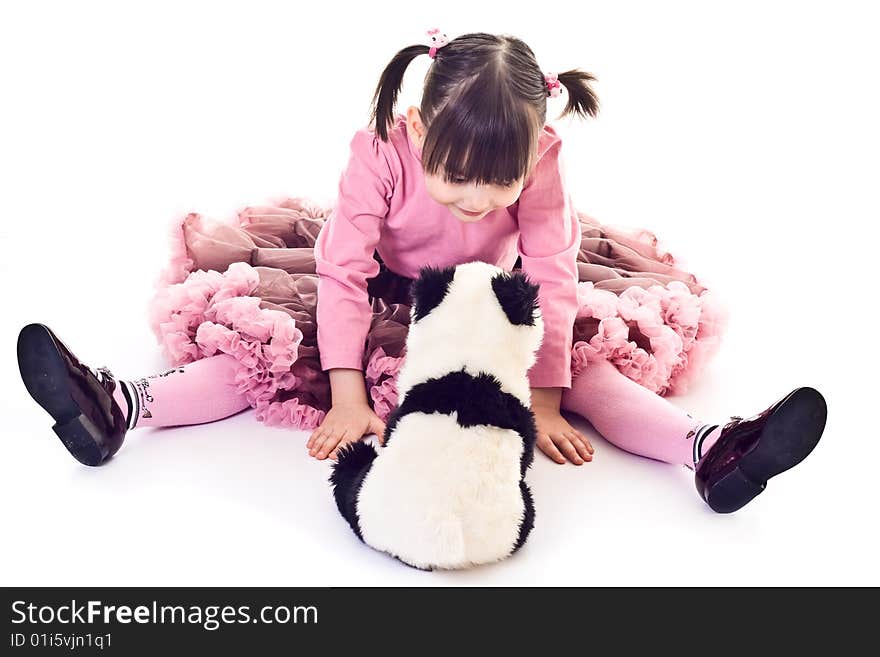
<point>636,419</point>
<point>93,410</point>
<point>198,392</point>
<point>744,458</point>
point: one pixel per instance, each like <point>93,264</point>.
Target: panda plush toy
<point>447,489</point>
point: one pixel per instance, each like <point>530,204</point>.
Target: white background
<point>745,136</point>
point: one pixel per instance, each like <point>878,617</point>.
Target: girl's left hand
<point>558,439</point>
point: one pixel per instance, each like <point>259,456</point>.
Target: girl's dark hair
<point>484,105</point>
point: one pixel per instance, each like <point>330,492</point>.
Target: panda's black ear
<point>517,296</point>
<point>430,288</point>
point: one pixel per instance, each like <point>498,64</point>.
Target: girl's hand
<point>558,439</point>
<point>343,424</point>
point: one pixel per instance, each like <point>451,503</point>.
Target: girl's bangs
<point>483,136</point>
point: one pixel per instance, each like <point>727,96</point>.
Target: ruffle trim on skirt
<point>179,264</point>
<point>210,313</point>
<point>381,376</point>
<point>683,330</point>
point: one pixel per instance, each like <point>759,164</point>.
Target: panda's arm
<point>549,239</point>
<point>344,253</point>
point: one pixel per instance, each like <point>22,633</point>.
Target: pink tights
<point>625,413</point>
<point>632,417</point>
<point>201,391</point>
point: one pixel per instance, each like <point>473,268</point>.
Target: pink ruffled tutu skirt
<point>249,288</point>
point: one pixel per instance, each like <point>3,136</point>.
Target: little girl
<point>302,313</point>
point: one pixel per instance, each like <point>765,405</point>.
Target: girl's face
<point>467,201</point>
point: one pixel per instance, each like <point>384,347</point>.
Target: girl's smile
<point>470,202</point>
<point>470,213</point>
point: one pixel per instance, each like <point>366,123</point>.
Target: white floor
<point>771,200</point>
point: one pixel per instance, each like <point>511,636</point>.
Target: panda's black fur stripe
<point>476,400</point>
<point>528,521</point>
<point>429,289</point>
<point>353,463</point>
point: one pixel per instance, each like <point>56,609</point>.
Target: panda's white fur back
<point>442,495</point>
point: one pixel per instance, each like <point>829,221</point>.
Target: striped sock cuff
<point>700,436</point>
<point>134,404</point>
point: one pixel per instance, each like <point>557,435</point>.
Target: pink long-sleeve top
<point>383,206</point>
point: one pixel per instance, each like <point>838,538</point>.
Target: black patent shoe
<point>749,452</point>
<point>80,400</point>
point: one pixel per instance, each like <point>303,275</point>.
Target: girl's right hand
<point>343,424</point>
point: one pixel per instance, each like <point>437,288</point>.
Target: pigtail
<point>385,97</point>
<point>581,98</point>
